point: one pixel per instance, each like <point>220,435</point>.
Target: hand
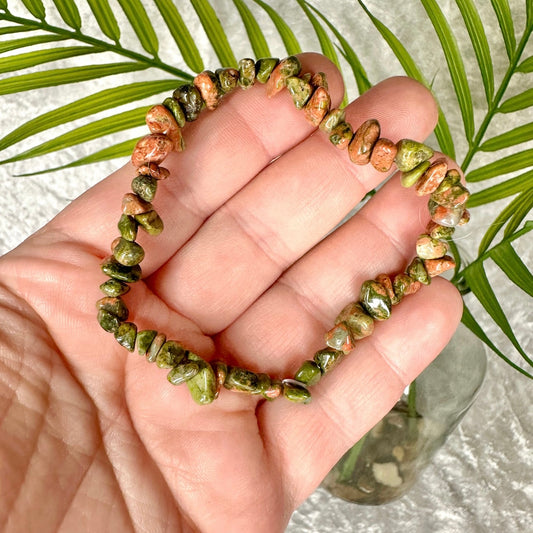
<point>96,439</point>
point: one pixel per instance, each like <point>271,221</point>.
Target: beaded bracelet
<point>356,321</point>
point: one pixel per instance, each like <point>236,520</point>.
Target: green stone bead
<point>295,392</point>
<point>183,372</point>
<point>264,67</point>
<point>327,358</point>
<point>177,111</point>
<point>144,340</point>
<point>359,323</point>
<point>445,216</point>
<point>408,179</point>
<point>170,355</point>
<point>410,154</point>
<point>290,66</point>
<point>246,73</point>
<point>112,268</point>
<point>263,383</point>
<point>203,386</point>
<point>155,347</point>
<point>115,306</point>
<point>114,288</point>
<point>145,187</point>
<point>453,196</point>
<point>228,79</point>
<point>417,271</point>
<point>150,222</point>
<point>108,321</point>
<point>300,90</point>
<point>190,99</point>
<point>126,335</point>
<point>128,253</point>
<point>442,232</point>
<point>128,227</point>
<point>242,380</point>
<point>375,300</point>
<point>309,373</point>
<point>332,119</point>
<point>341,135</point>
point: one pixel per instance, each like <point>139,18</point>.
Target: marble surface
<point>482,479</point>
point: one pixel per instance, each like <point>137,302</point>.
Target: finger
<point>243,248</point>
<point>224,151</point>
<point>286,326</point>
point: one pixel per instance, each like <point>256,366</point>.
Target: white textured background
<point>482,479</point>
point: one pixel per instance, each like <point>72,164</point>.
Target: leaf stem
<point>493,107</point>
<point>97,43</point>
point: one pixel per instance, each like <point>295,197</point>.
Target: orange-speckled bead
<point>154,171</point>
<point>317,107</point>
<point>134,205</point>
<point>363,141</point>
<point>160,120</point>
<point>435,267</point>
<point>383,154</point>
<point>208,85</point>
<point>432,178</point>
<point>153,148</point>
<point>290,66</point>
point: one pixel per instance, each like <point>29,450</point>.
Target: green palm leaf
<point>181,34</point>
<point>505,256</point>
<point>63,76</point>
<point>518,102</point>
<point>106,19</point>
<point>287,35</point>
<point>14,44</point>
<point>69,13</point>
<point>94,130</point>
<point>502,190</point>
<point>14,29</point>
<point>137,17</point>
<point>36,8</point>
<point>502,166</point>
<point>215,32</point>
<point>526,66</point>
<point>455,64</point>
<point>476,31</point>
<point>505,20</point>
<point>38,57</point>
<point>253,30</point>
<point>509,138</point>
<point>100,101</point>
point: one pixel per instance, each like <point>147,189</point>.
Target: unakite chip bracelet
<point>447,198</point>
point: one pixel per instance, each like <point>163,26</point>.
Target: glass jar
<point>385,463</point>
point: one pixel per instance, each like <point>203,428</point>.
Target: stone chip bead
<point>417,271</point>
<point>445,216</point>
<point>409,178</point>
<point>319,79</point>
<point>383,154</point>
<point>375,300</point>
<point>128,253</point>
<point>150,222</point>
<point>385,280</point>
<point>359,322</point>
<point>363,141</point>
<point>429,248</point>
<point>410,154</point>
<point>221,371</point>
<point>435,267</point>
<point>116,306</point>
<point>160,119</point>
<point>177,111</point>
<point>341,135</point>
<point>404,285</point>
<point>290,66</point>
<point>154,171</point>
<point>228,79</point>
<point>332,119</point>
<point>155,346</point>
<point>296,392</point>
<point>126,334</point>
<point>144,340</point>
<point>209,87</point>
<point>246,73</point>
<point>144,187</point>
<point>116,270</point>
<point>114,288</point>
<point>108,321</point>
<point>132,204</point>
<point>327,358</point>
<point>452,196</point>
<point>318,105</point>
<point>300,91</point>
<point>273,391</point>
<point>190,99</point>
<point>436,231</point>
<point>309,373</point>
<point>153,148</point>
<point>183,372</point>
<point>242,380</point>
<point>339,338</point>
<point>264,68</point>
<point>127,225</point>
<point>170,354</point>
<point>203,386</point>
<point>431,178</point>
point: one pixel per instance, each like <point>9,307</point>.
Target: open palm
<point>95,439</point>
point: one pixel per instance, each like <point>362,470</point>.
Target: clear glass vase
<point>385,463</point>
